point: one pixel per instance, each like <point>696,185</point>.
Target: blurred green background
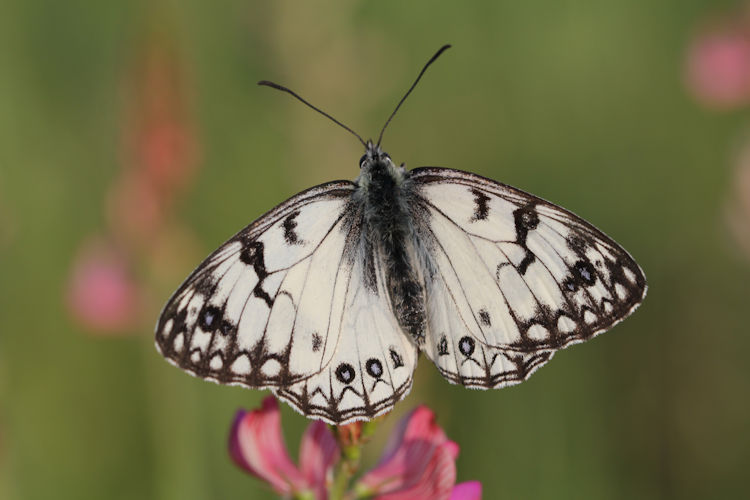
<point>581,102</point>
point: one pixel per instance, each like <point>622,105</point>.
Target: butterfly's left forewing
<point>512,278</point>
<point>230,320</point>
<point>287,304</point>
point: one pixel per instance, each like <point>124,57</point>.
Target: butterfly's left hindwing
<point>284,305</point>
<point>512,278</point>
<point>374,361</point>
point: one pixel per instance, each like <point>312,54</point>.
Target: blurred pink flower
<point>159,157</point>
<point>718,67</point>
<point>162,138</point>
<point>418,462</point>
<point>101,292</point>
<point>160,145</point>
<point>256,445</point>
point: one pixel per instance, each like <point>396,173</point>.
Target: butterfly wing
<point>513,278</point>
<point>283,305</point>
<point>374,362</point>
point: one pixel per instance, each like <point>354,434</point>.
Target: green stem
<point>351,453</point>
<point>344,472</point>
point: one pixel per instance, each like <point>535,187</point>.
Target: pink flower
<point>101,293</point>
<point>256,445</point>
<point>718,67</point>
<point>469,490</point>
<point>418,463</point>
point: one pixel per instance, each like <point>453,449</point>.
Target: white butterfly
<point>328,299</point>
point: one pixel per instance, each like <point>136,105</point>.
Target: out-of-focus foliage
<point>583,103</point>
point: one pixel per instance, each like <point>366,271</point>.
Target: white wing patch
<point>282,305</point>
<point>514,278</point>
<point>373,359</point>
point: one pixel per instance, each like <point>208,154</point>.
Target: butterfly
<point>328,298</point>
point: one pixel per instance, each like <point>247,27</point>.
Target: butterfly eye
<point>362,160</point>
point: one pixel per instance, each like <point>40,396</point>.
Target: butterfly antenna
<point>289,91</point>
<point>432,60</point>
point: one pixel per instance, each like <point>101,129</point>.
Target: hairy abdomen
<point>390,228</point>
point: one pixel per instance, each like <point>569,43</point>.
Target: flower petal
<point>102,294</point>
<point>317,455</point>
<point>718,67</point>
<point>256,445</point>
<point>419,423</point>
<point>470,490</point>
<point>419,462</point>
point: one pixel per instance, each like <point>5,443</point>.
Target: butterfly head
<point>373,154</point>
<point>376,164</point>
